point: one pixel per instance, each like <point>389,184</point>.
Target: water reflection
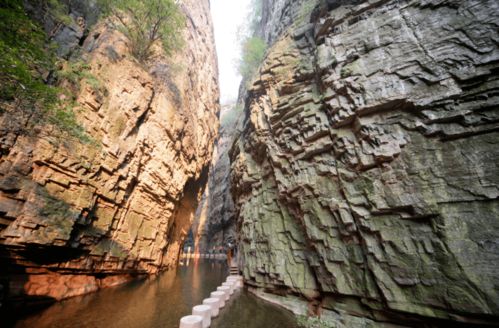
<point>161,303</point>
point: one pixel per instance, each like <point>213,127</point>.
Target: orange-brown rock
<point>77,217</point>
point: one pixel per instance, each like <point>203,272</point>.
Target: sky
<point>228,15</point>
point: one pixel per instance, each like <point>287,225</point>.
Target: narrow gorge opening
<point>307,163</point>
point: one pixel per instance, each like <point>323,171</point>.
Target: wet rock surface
<point>365,178</point>
<point>77,217</point>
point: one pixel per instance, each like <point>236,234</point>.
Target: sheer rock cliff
<point>77,217</point>
<point>366,178</point>
<point>215,223</point>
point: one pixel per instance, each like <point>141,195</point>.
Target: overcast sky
<point>228,15</point>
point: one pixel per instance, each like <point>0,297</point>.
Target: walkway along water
<point>201,314</point>
<point>160,303</point>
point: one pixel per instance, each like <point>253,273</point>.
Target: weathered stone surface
<point>365,178</point>
<point>214,226</point>
<point>90,216</point>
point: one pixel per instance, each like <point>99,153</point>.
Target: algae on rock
<point>365,179</point>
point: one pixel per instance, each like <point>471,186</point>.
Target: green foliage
<point>22,45</point>
<point>92,81</point>
<point>65,120</point>
<point>77,71</point>
<point>58,10</point>
<point>74,71</point>
<point>146,22</point>
<point>253,53</point>
<point>253,47</point>
<point>313,322</point>
<point>26,62</point>
<point>230,116</point>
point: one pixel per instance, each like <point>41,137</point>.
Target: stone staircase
<point>233,269</point>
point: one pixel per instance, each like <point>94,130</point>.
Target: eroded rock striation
<point>78,217</point>
<point>366,179</point>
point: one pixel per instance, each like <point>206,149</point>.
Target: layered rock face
<point>78,217</point>
<point>366,177</point>
<point>215,223</point>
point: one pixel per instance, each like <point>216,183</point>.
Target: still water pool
<point>161,302</point>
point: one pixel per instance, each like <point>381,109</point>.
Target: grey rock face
<point>366,177</point>
<point>215,223</point>
<point>82,15</point>
<point>275,17</point>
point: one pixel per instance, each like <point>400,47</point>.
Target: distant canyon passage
<point>366,176</point>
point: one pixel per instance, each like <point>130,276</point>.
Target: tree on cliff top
<point>253,53</point>
<point>253,47</point>
<point>146,22</point>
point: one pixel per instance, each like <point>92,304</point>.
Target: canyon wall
<point>76,217</point>
<point>215,223</point>
<point>366,178</point>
